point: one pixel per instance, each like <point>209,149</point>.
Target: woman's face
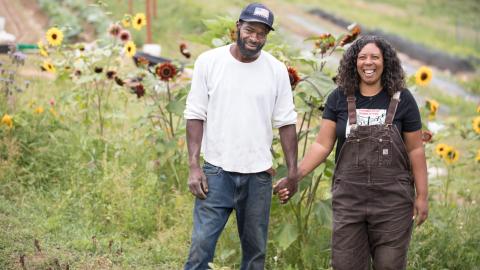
<point>370,64</point>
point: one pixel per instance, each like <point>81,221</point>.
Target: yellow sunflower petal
<point>49,67</point>
<point>130,48</point>
<point>7,120</point>
<point>139,20</point>
<point>451,155</point>
<point>476,124</point>
<point>41,49</point>
<point>54,36</point>
<point>126,21</point>
<point>39,110</point>
<point>441,148</point>
<point>423,76</point>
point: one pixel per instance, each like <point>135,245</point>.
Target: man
<point>238,94</point>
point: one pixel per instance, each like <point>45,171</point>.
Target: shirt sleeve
<point>330,111</point>
<point>412,120</point>
<point>197,100</point>
<point>284,110</point>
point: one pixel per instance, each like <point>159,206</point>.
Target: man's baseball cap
<point>257,12</point>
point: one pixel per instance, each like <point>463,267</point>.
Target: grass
<point>114,203</point>
<point>450,26</point>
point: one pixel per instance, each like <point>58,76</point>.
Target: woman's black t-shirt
<point>371,111</point>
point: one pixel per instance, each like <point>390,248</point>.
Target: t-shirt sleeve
<point>412,120</point>
<point>284,109</point>
<point>197,100</point>
<point>330,111</point>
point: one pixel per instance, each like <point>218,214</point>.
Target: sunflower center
<point>139,21</point>
<point>166,72</point>
<point>54,36</point>
<point>424,76</point>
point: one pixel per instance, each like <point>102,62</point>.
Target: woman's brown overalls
<point>373,196</point>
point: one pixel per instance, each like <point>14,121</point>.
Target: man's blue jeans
<point>250,195</point>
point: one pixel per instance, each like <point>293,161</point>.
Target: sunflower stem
<point>169,112</point>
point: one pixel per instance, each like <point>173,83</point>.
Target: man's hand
<point>197,183</point>
<point>420,210</point>
<point>285,188</point>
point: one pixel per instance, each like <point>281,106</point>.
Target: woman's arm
<point>316,154</point>
<point>320,149</point>
<point>416,153</point>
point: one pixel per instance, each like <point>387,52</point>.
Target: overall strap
<point>392,108</point>
<point>352,110</point>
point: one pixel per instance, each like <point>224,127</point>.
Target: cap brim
<point>259,21</point>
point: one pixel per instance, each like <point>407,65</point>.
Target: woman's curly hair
<point>393,76</point>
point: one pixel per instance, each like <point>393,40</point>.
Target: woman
<point>379,159</point>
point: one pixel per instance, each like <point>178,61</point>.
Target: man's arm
<point>197,181</point>
<point>416,153</point>
<point>288,138</point>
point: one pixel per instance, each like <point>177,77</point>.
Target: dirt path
<point>296,25</point>
<point>24,20</point>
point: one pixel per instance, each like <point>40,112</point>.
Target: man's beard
<point>247,52</point>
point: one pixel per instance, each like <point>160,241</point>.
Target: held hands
<point>420,210</point>
<point>285,188</point>
<point>197,183</point>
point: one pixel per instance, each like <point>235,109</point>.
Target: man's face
<point>251,37</point>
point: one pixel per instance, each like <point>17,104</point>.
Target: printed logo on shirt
<point>368,117</point>
<point>261,12</point>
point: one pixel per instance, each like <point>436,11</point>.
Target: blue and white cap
<point>257,12</point>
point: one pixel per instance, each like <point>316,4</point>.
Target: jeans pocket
<point>264,176</point>
<point>209,169</point>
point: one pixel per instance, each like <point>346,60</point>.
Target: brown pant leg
<point>390,224</point>
<point>350,249</point>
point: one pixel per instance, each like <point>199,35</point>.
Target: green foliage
<point>449,240</point>
<point>120,201</point>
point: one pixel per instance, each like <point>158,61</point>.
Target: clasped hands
<point>286,187</point>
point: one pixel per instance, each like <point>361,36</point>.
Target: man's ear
<point>239,23</point>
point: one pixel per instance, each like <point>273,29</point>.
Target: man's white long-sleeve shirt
<point>239,103</point>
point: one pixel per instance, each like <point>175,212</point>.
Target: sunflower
<point>130,48</point>
<point>441,148</point>
<point>451,155</point>
<point>111,74</point>
<point>478,109</point>
<point>184,50</point>
<point>432,105</point>
<point>354,30</point>
<point>54,36</point>
<point>42,49</point>
<point>126,20</point>
<point>7,120</point>
<point>39,110</point>
<point>166,71</point>
<point>114,30</point>
<point>476,124</point>
<point>423,76</point>
<point>124,36</point>
<point>98,69</point>
<point>293,76</point>
<point>138,89</point>
<point>119,81</point>
<point>139,21</point>
<point>49,67</point>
